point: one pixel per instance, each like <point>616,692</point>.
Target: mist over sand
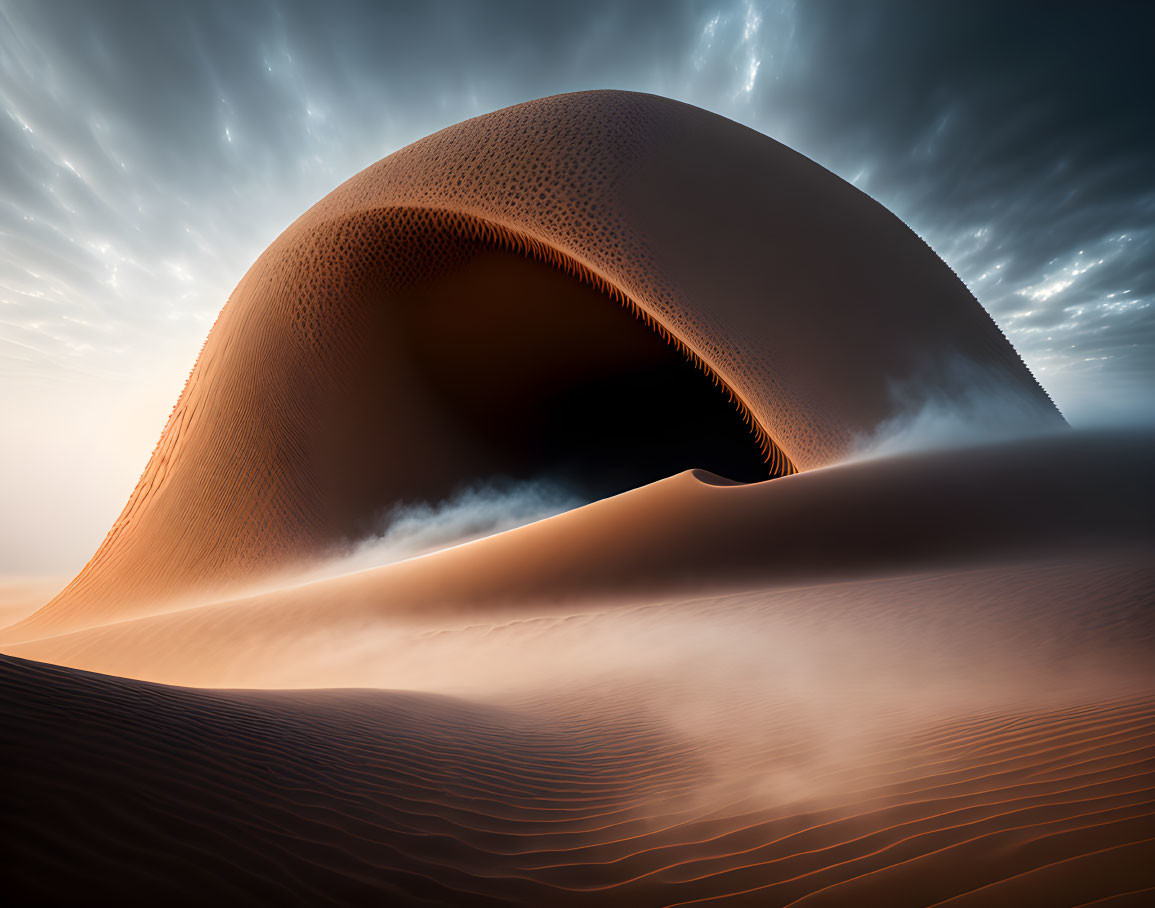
<point>410,529</point>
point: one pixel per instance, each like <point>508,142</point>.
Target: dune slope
<point>685,536</point>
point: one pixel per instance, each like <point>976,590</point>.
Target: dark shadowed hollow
<point>534,374</point>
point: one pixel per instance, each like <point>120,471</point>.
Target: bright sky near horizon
<point>149,152</point>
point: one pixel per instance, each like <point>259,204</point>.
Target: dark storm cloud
<point>149,151</point>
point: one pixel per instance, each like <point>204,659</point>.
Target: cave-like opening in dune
<point>574,384</point>
<point>542,376</point>
<point>550,377</point>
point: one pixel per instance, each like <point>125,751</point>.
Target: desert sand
<point>772,661</point>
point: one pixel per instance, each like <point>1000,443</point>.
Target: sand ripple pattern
<point>124,792</point>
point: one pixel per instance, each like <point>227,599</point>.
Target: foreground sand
<point>952,702</point>
<point>759,750</point>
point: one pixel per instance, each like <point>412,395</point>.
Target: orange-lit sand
<point>917,679</point>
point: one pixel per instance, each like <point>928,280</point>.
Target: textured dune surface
<point>772,661</point>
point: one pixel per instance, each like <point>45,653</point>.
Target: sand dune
<point>766,665</point>
<point>354,797</point>
<point>498,298</point>
<point>953,734</point>
<point>690,534</point>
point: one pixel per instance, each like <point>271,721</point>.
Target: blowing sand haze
<point>823,603</point>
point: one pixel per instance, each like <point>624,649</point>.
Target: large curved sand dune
<point>494,299</point>
<point>753,671</point>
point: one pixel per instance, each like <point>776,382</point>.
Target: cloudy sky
<point>149,151</point>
